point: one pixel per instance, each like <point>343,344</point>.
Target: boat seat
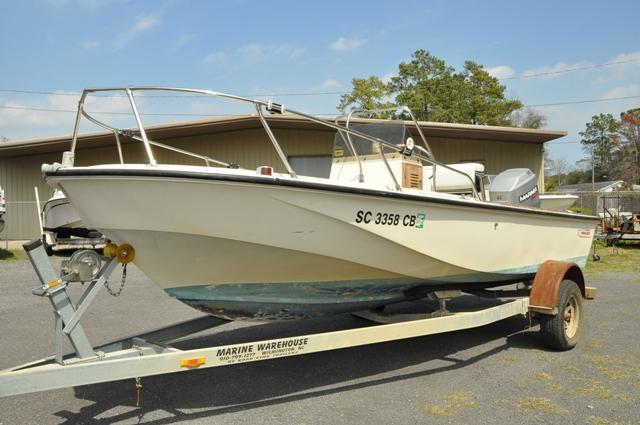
<point>449,181</point>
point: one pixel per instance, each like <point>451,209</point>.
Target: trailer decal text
<point>261,350</point>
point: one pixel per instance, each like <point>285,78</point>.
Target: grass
<point>583,210</point>
<point>615,367</point>
<point>546,357</point>
<point>7,255</point>
<point>451,403</point>
<point>543,376</point>
<point>603,421</point>
<point>541,404</point>
<point>437,410</point>
<point>460,399</point>
<point>555,388</point>
<point>570,368</point>
<point>593,389</point>
<point>506,358</point>
<point>623,258</point>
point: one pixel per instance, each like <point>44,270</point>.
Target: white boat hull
<point>260,247</point>
<point>557,202</point>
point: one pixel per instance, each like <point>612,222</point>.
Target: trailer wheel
<point>562,330</point>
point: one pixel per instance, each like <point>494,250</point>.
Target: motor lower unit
<point>516,186</point>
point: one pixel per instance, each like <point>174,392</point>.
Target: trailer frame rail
<point>151,353</point>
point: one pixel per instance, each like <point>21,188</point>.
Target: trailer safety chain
<point>124,278</point>
<point>138,389</point>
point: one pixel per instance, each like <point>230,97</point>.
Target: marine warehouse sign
<point>261,350</point>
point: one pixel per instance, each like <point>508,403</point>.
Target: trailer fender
<point>546,285</point>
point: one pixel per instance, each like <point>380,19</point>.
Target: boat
<point>548,201</point>
<point>59,216</point>
<point>258,244</point>
<point>63,228</point>
<point>557,202</point>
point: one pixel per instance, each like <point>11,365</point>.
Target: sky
<point>565,59</point>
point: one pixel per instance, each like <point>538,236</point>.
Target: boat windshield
<point>394,132</point>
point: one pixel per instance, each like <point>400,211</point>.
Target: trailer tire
<point>562,331</point>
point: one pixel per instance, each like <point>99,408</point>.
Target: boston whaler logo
<point>584,233</point>
<point>420,221</point>
<point>530,194</point>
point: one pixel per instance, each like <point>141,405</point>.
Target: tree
<point>629,137</point>
<point>556,171</point>
<point>485,97</point>
<point>367,93</point>
<point>581,172</point>
<point>548,161</point>
<point>430,88</point>
<point>436,92</point>
<point>4,139</point>
<point>560,168</point>
<point>599,140</point>
<point>550,186</point>
<point>528,118</point>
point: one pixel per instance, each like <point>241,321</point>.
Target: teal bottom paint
<point>295,300</point>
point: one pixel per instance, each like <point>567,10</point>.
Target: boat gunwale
<point>301,184</point>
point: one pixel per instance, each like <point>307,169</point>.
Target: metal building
<point>242,140</point>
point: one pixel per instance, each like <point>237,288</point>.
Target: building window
<point>311,165</point>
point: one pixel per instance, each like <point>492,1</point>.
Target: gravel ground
<point>497,374</point>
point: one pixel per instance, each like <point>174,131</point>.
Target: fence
<point>595,202</point>
<point>21,222</point>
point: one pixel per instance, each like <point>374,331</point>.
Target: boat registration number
<point>391,219</point>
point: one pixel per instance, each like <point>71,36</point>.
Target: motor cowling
<point>516,186</point>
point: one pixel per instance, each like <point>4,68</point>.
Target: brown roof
<point>241,122</point>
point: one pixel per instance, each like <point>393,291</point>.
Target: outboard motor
<point>516,186</point>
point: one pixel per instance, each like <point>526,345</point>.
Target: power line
<point>73,111</point>
<point>564,71</point>
<point>562,142</point>
<point>23,108</point>
<point>169,96</point>
<point>326,93</point>
<point>575,102</point>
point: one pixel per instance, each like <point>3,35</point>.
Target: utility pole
<point>593,171</point>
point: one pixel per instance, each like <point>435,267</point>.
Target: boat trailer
<point>556,298</point>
